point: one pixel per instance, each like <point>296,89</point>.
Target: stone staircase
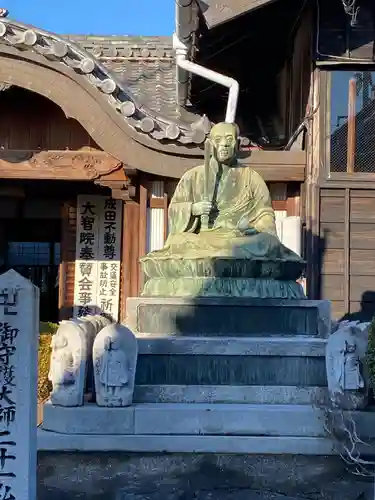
<point>215,375</point>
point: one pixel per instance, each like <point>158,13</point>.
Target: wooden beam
<point>142,229</point>
<point>216,13</point>
<point>166,204</point>
<point>56,165</point>
<point>347,251</point>
<point>351,125</point>
<point>283,173</point>
<point>280,166</point>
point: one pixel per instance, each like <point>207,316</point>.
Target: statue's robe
<point>242,226</point>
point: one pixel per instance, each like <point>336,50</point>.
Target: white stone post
<point>19,337</point>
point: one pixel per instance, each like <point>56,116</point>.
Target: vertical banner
<point>87,248</point>
<point>98,256</point>
<point>109,266</point>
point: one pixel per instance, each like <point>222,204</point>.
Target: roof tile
<point>145,64</point>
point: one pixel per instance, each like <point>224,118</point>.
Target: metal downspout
<point>181,44</point>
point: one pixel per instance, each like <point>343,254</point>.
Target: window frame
<point>325,174</point>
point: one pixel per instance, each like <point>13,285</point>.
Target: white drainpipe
<point>233,86</point>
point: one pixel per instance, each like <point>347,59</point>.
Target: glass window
<point>29,254</point>
<point>57,254</point>
<point>362,128</point>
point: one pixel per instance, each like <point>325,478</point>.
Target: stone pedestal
<point>228,317</point>
<point>234,350</point>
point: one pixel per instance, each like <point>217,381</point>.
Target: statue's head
<point>59,341</point>
<point>350,346</point>
<point>224,140</point>
<point>108,343</point>
<point>115,343</point>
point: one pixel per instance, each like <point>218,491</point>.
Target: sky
<point>96,17</point>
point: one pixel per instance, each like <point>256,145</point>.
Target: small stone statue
<point>114,368</point>
<point>115,357</point>
<point>61,368</point>
<point>346,373</point>
<point>350,376</point>
<point>90,327</point>
<point>68,364</point>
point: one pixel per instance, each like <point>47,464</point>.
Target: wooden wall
<point>32,122</point>
<point>347,239</point>
<point>294,79</point>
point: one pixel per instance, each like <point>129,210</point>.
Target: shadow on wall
<point>367,308</point>
<point>320,282</point>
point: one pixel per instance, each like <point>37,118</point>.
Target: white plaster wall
<point>155,220</point>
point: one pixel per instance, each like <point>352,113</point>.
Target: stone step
<point>240,317</point>
<point>231,394</point>
<point>249,445</point>
<point>198,419</point>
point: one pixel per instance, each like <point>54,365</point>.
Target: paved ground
<point>124,476</point>
<point>175,494</point>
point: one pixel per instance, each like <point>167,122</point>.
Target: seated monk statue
<point>222,234</point>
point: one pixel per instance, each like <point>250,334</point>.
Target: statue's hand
<point>250,231</point>
<point>201,208</point>
<point>243,226</point>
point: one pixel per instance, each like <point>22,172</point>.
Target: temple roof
<point>122,90</point>
<point>144,65</point>
<point>218,12</point>
<point>135,74</point>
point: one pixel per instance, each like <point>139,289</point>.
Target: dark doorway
<point>33,249</point>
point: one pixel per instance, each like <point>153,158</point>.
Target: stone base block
<point>206,369</point>
<point>223,287</point>
<point>231,394</point>
<point>55,441</point>
<point>88,419</point>
<point>229,317</point>
<point>220,361</point>
<point>197,420</point>
<point>232,346</point>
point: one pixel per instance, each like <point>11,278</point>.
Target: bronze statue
<point>222,235</point>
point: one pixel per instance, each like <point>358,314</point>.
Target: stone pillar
<point>19,331</point>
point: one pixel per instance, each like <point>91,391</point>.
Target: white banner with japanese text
<point>98,256</point>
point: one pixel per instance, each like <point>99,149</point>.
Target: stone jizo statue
<point>222,234</point>
<point>61,367</point>
<point>69,363</point>
<point>346,368</point>
<point>349,370</point>
<point>115,354</point>
<point>114,369</point>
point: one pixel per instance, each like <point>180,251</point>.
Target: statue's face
<point>224,141</point>
<point>114,344</point>
<point>351,347</point>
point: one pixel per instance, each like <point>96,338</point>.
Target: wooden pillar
<point>311,189</point>
<point>351,125</point>
<point>130,253</point>
<point>293,203</point>
<point>68,257</point>
<point>142,229</point>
